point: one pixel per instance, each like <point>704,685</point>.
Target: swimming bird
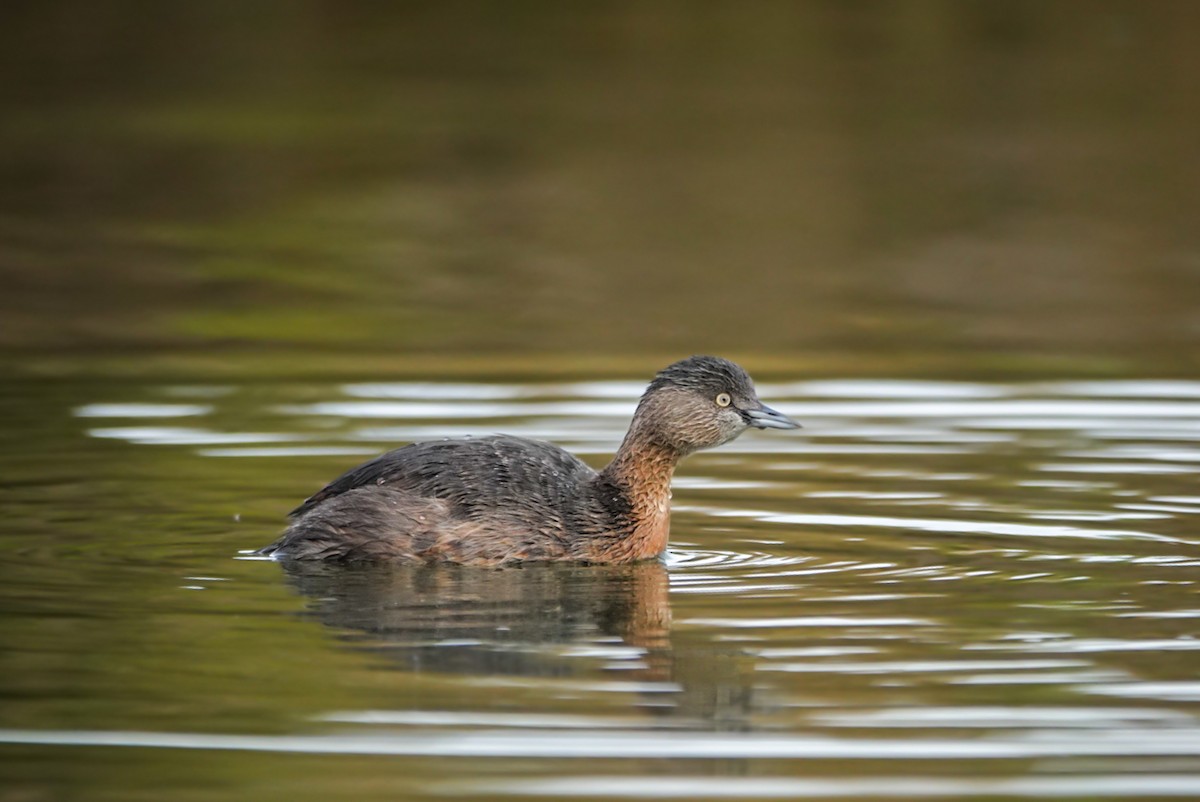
<point>501,500</point>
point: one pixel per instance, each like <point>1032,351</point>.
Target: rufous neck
<point>643,470</point>
<point>642,463</point>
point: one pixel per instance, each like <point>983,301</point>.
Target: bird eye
<point>723,399</point>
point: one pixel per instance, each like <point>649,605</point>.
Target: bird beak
<point>766,418</point>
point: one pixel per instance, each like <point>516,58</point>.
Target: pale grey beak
<point>766,418</point>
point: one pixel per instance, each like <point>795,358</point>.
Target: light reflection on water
<point>918,587</point>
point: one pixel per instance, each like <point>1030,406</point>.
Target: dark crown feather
<point>705,374</point>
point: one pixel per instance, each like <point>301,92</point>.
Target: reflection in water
<point>560,622</point>
<point>492,621</point>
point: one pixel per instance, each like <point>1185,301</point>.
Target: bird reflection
<point>545,620</point>
<point>509,621</point>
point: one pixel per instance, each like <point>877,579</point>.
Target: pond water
<point>936,589</point>
<point>246,246</point>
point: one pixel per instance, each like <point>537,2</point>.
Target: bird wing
<point>470,472</point>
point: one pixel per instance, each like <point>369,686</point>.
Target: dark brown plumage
<point>501,499</point>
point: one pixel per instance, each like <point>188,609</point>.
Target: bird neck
<point>642,469</point>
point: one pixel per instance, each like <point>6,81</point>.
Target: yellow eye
<point>723,400</point>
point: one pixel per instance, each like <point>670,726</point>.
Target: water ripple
<point>932,577</point>
<point>693,558</point>
<point>566,743</point>
<point>1097,786</point>
<point>132,410</point>
<point>947,526</point>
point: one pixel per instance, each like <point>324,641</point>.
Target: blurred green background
<point>930,187</point>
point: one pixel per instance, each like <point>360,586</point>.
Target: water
<point>243,248</point>
<point>868,189</point>
<point>937,589</point>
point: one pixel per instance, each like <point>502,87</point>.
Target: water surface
<point>246,246</point>
<point>936,589</point>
